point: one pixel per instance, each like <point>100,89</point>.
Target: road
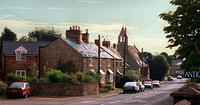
<point>156,96</point>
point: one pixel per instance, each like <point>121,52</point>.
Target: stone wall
<point>63,89</point>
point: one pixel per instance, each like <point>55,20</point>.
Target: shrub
<point>16,78</point>
<point>43,80</point>
<point>71,79</point>
<point>3,87</point>
<point>103,90</point>
<point>89,79</point>
<point>94,75</point>
<point>80,76</point>
<point>108,86</point>
<point>55,75</point>
<point>32,73</point>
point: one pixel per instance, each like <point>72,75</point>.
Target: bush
<point>80,76</point>
<point>103,90</point>
<point>55,75</point>
<point>43,80</point>
<point>16,78</point>
<point>32,73</point>
<point>197,80</point>
<point>71,79</point>
<point>94,75</point>
<point>108,86</point>
<point>3,87</point>
<point>89,79</point>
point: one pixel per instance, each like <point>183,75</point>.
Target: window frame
<point>109,63</point>
<point>91,62</point>
<point>19,72</point>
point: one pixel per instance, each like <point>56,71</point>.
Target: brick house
<point>76,48</point>
<point>132,55</point>
<point>176,68</point>
<point>17,56</point>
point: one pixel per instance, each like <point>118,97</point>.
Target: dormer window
<point>20,53</point>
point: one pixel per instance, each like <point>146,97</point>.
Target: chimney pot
<point>86,30</point>
<point>78,27</point>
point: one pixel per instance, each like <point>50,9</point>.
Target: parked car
<point>19,89</point>
<point>141,86</point>
<point>156,83</point>
<point>179,77</point>
<point>170,78</point>
<point>131,87</point>
<point>148,84</point>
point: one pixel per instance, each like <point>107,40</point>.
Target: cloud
<point>89,1</point>
<point>57,8</point>
<point>20,8</point>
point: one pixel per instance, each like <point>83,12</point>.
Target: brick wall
<point>11,64</point>
<point>62,89</point>
<point>56,51</point>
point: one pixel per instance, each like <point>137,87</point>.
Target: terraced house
<point>84,55</point>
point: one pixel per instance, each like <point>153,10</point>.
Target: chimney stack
<point>96,41</point>
<point>85,36</point>
<point>74,35</point>
<point>114,46</point>
<point>106,43</point>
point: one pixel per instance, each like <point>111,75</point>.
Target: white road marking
<point>114,102</point>
<point>86,101</point>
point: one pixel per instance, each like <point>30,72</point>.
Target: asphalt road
<point>156,96</point>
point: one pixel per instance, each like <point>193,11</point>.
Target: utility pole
<point>99,54</point>
<point>142,66</point>
<point>124,68</point>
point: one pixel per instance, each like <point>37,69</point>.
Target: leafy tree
<point>8,35</point>
<point>27,38</point>
<point>183,31</point>
<point>45,34</point>
<point>169,57</point>
<point>158,67</point>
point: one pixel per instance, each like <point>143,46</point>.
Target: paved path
<point>156,96</point>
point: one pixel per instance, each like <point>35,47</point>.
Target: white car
<point>131,87</point>
<point>179,77</point>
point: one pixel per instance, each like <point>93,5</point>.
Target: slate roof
<point>32,47</point>
<point>91,50</point>
<point>135,53</point>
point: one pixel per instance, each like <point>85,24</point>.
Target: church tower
<point>123,38</point>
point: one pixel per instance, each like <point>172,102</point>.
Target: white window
<point>110,75</point>
<point>102,80</point>
<point>20,72</point>
<point>20,53</point>
<point>20,56</point>
<point>91,63</point>
<point>108,62</point>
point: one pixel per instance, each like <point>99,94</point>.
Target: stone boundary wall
<point>63,89</point>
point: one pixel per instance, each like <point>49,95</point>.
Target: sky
<point>100,17</point>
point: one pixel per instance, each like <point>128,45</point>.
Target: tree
<point>8,35</point>
<point>27,38</point>
<point>158,67</point>
<point>169,57</point>
<point>183,31</point>
<point>45,34</point>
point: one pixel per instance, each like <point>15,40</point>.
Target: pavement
<point>156,96</point>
